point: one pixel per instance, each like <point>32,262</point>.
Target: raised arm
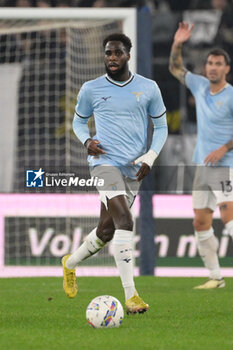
<point>176,66</point>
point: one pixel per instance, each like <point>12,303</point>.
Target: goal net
<point>45,57</point>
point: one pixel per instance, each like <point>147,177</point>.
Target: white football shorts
<point>115,184</point>
<point>212,186</point>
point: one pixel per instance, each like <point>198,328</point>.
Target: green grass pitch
<point>36,314</point>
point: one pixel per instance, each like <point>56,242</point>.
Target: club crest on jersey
<point>219,104</point>
<point>138,94</point>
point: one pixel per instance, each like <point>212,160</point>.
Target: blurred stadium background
<point>45,57</point>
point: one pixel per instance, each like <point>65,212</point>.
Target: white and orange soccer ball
<point>105,311</point>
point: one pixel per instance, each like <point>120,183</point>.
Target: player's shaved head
<point>119,37</point>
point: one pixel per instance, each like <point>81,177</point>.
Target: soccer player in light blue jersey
<point>213,183</point>
<point>121,103</point>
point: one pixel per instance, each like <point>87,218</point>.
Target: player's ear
<point>129,56</point>
<point>228,68</point>
<point>204,69</point>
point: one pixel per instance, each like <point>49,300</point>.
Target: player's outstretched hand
<point>183,33</point>
<point>215,156</point>
<point>93,147</point>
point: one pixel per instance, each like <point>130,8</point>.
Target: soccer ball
<point>105,311</point>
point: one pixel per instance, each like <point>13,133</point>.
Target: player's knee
<point>200,225</point>
<point>125,222</point>
<point>105,234</point>
<point>195,224</point>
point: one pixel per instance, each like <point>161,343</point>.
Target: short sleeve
<point>231,104</point>
<point>84,106</point>
<point>156,107</point>
<point>194,81</point>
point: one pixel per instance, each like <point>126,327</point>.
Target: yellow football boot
<point>135,305</point>
<point>69,279</point>
<point>212,284</point>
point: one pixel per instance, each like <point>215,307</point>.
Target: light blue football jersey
<point>214,118</point>
<point>121,116</point>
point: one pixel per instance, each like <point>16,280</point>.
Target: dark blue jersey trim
<point>120,85</point>
<point>158,116</point>
<point>80,116</point>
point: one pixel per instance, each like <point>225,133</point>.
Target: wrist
<point>86,143</point>
<point>225,148</point>
<point>229,146</point>
<point>150,157</point>
<point>177,44</point>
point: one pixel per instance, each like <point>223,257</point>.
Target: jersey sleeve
<point>160,133</point>
<point>194,81</point>
<point>156,106</point>
<point>84,108</point>
<point>231,104</point>
<point>80,127</point>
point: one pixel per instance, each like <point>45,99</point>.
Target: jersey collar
<point>117,83</point>
<point>218,92</point>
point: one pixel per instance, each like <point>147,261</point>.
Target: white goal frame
<point>127,15</point>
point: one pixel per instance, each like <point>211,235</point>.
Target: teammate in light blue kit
<point>212,109</point>
<point>121,103</point>
<point>213,183</point>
